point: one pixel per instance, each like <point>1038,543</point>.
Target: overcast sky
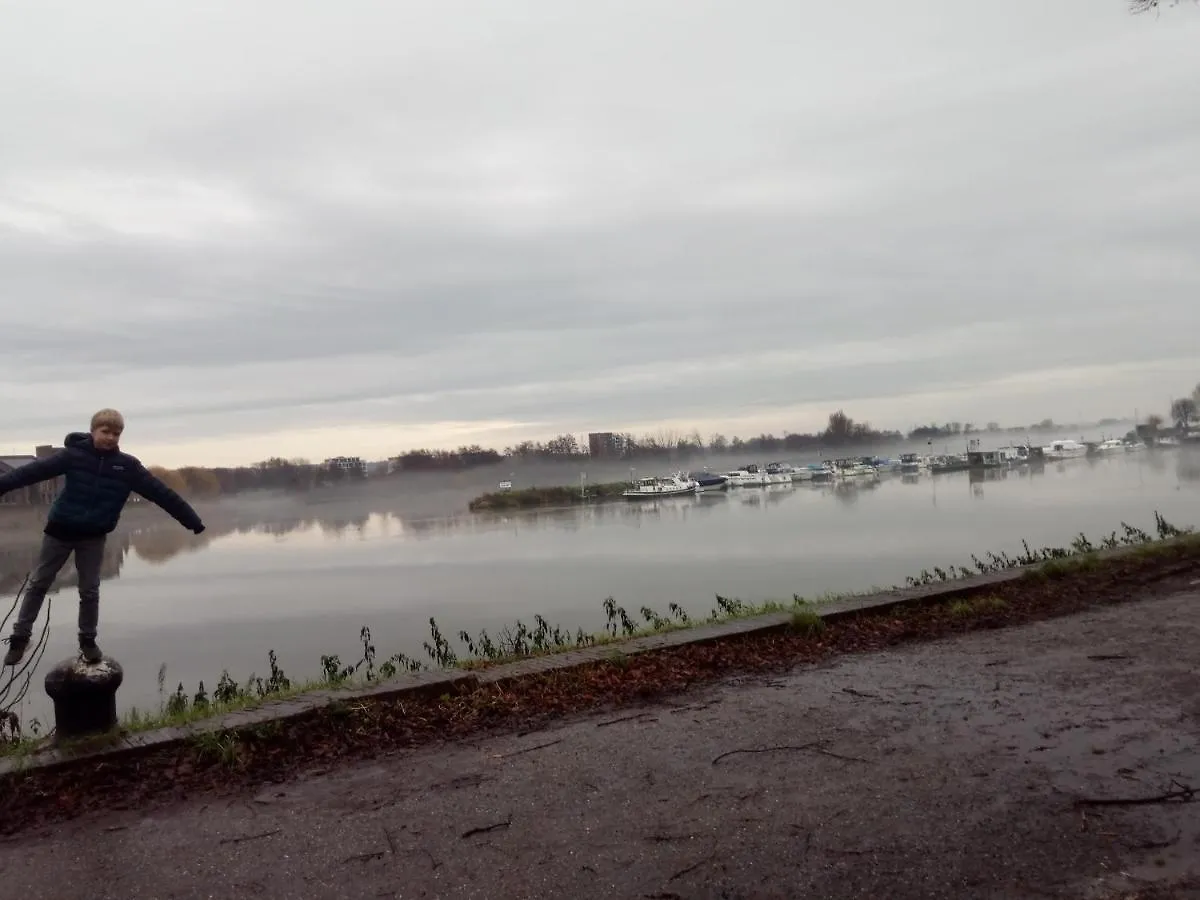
<point>308,228</point>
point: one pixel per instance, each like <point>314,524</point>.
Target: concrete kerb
<point>438,682</point>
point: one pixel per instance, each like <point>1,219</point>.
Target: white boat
<point>782,473</point>
<point>1067,449</point>
<point>822,471</point>
<point>1135,447</point>
<point>852,468</point>
<point>913,462</point>
<point>1112,445</point>
<point>652,487</point>
<point>747,476</point>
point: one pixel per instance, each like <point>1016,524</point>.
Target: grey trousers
<point>89,557</point>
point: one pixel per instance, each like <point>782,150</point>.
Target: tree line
<point>841,431</point>
<point>276,473</point>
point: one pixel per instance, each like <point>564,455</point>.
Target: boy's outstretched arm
<point>31,473</point>
<point>154,490</point>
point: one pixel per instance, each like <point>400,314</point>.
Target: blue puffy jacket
<point>97,485</point>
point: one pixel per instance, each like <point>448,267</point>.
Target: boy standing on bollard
<point>99,479</point>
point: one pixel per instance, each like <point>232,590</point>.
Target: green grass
<point>961,608</point>
<point>990,604</point>
<point>807,622</point>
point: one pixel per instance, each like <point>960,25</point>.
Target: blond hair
<point>109,417</point>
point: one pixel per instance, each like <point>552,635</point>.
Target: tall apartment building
<point>603,444</point>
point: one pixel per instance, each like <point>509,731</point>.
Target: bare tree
<point>1183,411</point>
<point>1141,6</point>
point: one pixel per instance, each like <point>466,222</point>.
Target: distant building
<point>602,444</point>
<point>41,494</point>
<point>351,465</point>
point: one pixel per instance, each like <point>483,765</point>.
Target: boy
<point>99,478</point>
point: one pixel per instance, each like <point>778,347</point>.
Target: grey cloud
<point>506,215</point>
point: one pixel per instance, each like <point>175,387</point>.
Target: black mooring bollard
<point>85,696</point>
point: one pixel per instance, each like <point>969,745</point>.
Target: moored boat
<point>957,462</point>
<point>653,487</point>
<point>747,476</point>
<point>853,468</point>
<point>781,473</point>
<point>707,481</point>
<point>1066,449</point>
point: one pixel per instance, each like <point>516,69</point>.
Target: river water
<point>304,586</point>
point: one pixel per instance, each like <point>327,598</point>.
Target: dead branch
<point>669,838</point>
<point>1156,845</point>
<point>528,749</point>
<point>695,707</point>
<point>692,868</point>
<point>250,837</point>
<point>623,719</point>
<point>487,828</point>
<point>363,857</point>
<point>1183,794</point>
<point>813,747</point>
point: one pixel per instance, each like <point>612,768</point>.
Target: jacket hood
<point>77,439</point>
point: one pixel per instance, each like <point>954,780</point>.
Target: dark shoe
<point>89,651</point>
<point>16,650</point>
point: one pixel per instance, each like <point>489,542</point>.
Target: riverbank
<point>289,738</point>
<point>1014,762</point>
<point>638,628</point>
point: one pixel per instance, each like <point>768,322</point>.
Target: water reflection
<point>1188,467</point>
<point>368,519</point>
<point>18,561</point>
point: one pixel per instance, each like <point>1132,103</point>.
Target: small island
<point>559,495</point>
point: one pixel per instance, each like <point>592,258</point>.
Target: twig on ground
<point>1183,794</point>
<point>433,862</point>
<point>1156,845</point>
<point>487,828</point>
<point>641,715</point>
<point>695,707</point>
<point>814,747</point>
<point>390,841</point>
<point>1104,657</point>
<point>853,693</point>
<point>250,837</point>
<point>527,749</point>
<point>693,867</point>
<point>363,857</point>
